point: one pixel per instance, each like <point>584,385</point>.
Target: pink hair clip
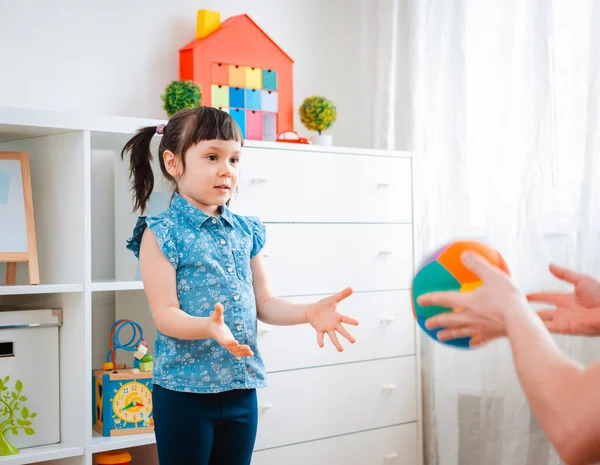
<point>160,128</point>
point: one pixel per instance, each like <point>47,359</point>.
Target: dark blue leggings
<point>205,429</point>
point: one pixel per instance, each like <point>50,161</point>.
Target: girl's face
<point>211,173</point>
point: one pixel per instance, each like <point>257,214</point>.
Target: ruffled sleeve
<point>259,236</point>
<point>162,229</point>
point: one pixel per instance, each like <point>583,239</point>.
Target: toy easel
<point>26,202</point>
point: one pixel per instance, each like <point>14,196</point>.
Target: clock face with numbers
<point>132,402</point>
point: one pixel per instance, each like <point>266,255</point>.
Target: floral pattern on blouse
<point>211,256</point>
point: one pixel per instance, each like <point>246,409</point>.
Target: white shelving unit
<point>73,160</point>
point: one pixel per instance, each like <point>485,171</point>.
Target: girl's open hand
<point>221,333</point>
<point>324,317</point>
<point>576,312</point>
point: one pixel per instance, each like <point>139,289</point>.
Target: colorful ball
<point>444,271</point>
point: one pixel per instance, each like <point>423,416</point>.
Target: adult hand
<point>325,318</point>
<point>576,312</point>
<point>221,333</point>
<point>480,313</point>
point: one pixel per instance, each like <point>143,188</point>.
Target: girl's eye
<point>212,157</point>
<point>235,160</point>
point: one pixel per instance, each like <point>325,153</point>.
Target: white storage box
<point>29,352</point>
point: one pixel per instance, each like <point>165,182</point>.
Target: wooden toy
<point>242,71</point>
<point>122,399</point>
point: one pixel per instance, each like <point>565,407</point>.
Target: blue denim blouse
<point>211,256</point>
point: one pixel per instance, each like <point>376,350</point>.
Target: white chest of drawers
<point>335,218</point>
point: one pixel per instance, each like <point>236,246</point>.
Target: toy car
<point>291,137</point>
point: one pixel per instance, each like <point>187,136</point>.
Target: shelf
<point>113,131</point>
<point>112,285</point>
<point>25,123</point>
<point>42,454</point>
<point>104,444</point>
<point>41,289</point>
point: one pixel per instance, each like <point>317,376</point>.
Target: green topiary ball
<point>317,113</point>
<point>180,95</point>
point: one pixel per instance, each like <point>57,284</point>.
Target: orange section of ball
<point>450,259</point>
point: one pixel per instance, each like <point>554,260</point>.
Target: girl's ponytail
<point>141,175</point>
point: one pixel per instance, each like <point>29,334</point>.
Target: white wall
<point>115,57</point>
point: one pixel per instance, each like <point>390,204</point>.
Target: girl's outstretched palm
<point>221,333</point>
<point>324,317</point>
<point>576,312</point>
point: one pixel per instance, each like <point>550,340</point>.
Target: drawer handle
<point>385,252</point>
<point>388,319</point>
<point>265,406</point>
<point>258,180</point>
<point>390,456</point>
<point>266,255</point>
<point>383,184</point>
<point>388,387</point>
<point>263,330</point>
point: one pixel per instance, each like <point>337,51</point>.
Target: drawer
<point>307,259</point>
<point>386,329</point>
<point>396,445</point>
<point>284,186</point>
<point>316,403</point>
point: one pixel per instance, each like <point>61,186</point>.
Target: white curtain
<point>503,104</point>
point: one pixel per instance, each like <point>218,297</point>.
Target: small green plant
<point>317,113</point>
<point>10,403</point>
<point>180,95</point>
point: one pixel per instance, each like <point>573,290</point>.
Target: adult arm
<point>563,395</point>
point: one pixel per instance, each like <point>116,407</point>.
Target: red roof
<point>229,25</point>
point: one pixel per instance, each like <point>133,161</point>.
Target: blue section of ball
<point>462,343</point>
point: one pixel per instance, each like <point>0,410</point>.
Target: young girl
<point>203,274</point>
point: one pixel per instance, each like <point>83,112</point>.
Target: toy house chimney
<point>208,22</point>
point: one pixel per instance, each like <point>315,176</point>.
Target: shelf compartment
<point>104,444</point>
<point>42,454</point>
<point>41,289</point>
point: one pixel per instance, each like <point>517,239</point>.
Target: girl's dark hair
<point>185,129</point>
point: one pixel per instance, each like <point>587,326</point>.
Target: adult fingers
<point>547,315</point>
<point>554,298</point>
<point>455,333</point>
<point>565,274</point>
<point>449,320</point>
<point>479,341</point>
<point>478,265</point>
<point>450,299</point>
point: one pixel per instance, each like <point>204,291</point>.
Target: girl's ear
<point>172,164</point>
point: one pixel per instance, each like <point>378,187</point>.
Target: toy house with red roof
<point>242,71</point>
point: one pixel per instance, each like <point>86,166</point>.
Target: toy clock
<point>131,401</point>
<point>123,402</point>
